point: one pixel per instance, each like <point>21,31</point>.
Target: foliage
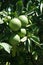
<point>27,50</point>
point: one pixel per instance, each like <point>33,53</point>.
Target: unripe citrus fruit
<point>23,19</point>
<point>14,39</point>
<point>22,32</point>
<point>15,24</point>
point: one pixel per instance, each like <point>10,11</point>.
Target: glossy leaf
<point>24,39</point>
<point>6,46</point>
<point>1,21</point>
<point>29,45</point>
<point>36,40</point>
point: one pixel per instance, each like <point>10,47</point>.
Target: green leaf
<point>30,6</point>
<point>29,45</point>
<point>1,47</point>
<point>19,6</point>
<point>1,21</point>
<point>14,50</point>
<point>24,39</point>
<point>3,13</point>
<point>41,7</point>
<point>7,63</point>
<point>35,55</point>
<point>35,30</point>
<point>36,40</point>
<point>6,46</point>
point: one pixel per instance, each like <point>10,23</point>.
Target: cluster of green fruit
<point>18,24</point>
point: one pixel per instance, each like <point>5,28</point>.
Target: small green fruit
<point>14,39</point>
<point>23,19</point>
<point>22,32</point>
<point>15,24</point>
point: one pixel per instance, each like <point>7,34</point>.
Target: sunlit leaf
<point>35,55</point>
<point>1,21</point>
<point>41,7</point>
<point>29,45</point>
<point>24,39</point>
<point>6,46</point>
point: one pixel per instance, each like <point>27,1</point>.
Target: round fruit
<point>22,32</point>
<point>23,19</point>
<point>15,24</point>
<point>14,39</point>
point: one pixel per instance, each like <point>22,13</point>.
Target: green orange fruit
<point>23,19</point>
<point>15,24</point>
<point>14,39</point>
<point>22,32</point>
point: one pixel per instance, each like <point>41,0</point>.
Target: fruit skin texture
<point>14,39</point>
<point>15,24</point>
<point>22,32</point>
<point>23,19</point>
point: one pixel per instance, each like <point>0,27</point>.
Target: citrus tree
<point>21,32</point>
